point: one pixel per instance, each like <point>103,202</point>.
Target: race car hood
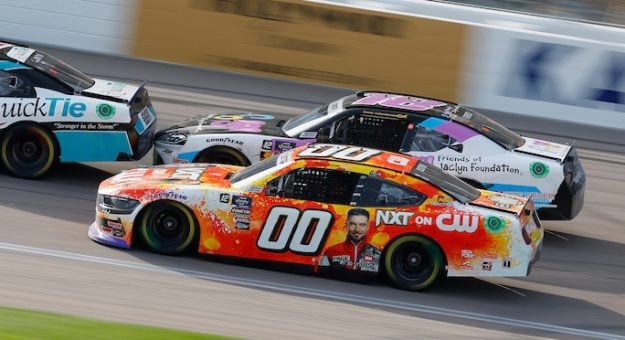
<point>500,201</point>
<point>112,90</point>
<point>539,147</point>
<point>211,175</point>
<point>269,124</point>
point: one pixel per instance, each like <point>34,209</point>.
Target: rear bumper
<point>537,254</point>
<point>569,199</point>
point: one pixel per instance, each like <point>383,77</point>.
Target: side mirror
<point>13,81</point>
<point>456,147</point>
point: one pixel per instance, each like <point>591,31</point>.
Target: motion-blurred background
<point>541,67</point>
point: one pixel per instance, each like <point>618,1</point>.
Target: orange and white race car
<point>331,207</point>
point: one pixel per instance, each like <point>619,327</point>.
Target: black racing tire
<point>28,151</point>
<point>168,227</point>
<point>414,262</point>
<point>222,155</point>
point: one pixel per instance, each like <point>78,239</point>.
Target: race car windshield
<point>454,186</point>
<point>254,169</point>
<point>485,125</point>
<point>311,116</point>
<point>59,70</point>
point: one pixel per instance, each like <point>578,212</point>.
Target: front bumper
<point>96,234</point>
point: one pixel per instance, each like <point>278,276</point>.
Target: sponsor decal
<point>279,146</point>
<point>462,164</point>
<point>87,126</point>
<point>398,101</point>
<point>43,107</point>
<point>105,111</point>
<point>539,170</point>
<point>507,263</point>
<point>265,155</point>
<point>460,223</point>
<point>241,208</point>
<point>349,153</point>
<point>308,134</point>
<point>168,195</point>
<point>188,173</point>
<point>146,119</point>
<point>289,229</point>
<point>466,265</point>
<point>255,189</point>
<point>467,254</point>
<point>494,224</point>
<point>115,228</point>
<point>224,140</point>
<point>267,144</point>
<point>503,201</point>
<point>342,260</point>
<point>20,53</point>
<point>398,160</point>
<point>224,198</point>
<point>487,261</point>
<point>392,218</point>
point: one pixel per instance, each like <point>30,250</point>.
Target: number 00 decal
<point>289,229</point>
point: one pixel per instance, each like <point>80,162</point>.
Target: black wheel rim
<point>413,262</point>
<point>168,227</point>
<point>29,151</point>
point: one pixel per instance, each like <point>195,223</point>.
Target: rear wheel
<point>28,151</point>
<point>168,227</point>
<point>413,262</point>
<point>222,155</point>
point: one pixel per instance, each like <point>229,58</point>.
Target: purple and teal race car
<point>457,139</point>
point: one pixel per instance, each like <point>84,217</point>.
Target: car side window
<point>374,192</point>
<point>371,130</point>
<point>428,140</point>
<point>11,85</point>
<point>314,184</point>
<point>34,79</point>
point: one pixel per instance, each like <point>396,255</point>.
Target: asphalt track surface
<point>47,262</point>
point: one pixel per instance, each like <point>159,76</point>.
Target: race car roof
<point>437,109</point>
<point>397,101</point>
<point>387,160</point>
<point>356,154</point>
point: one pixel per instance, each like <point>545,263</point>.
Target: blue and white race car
<point>51,112</point>
<point>457,139</point>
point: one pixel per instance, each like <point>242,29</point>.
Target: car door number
<point>302,232</point>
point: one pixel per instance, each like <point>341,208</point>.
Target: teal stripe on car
<point>6,65</point>
<point>92,146</point>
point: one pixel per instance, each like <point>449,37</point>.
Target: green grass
<point>26,324</point>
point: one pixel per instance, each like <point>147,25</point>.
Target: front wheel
<point>168,228</point>
<point>28,151</point>
<point>413,262</point>
<point>222,155</point>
